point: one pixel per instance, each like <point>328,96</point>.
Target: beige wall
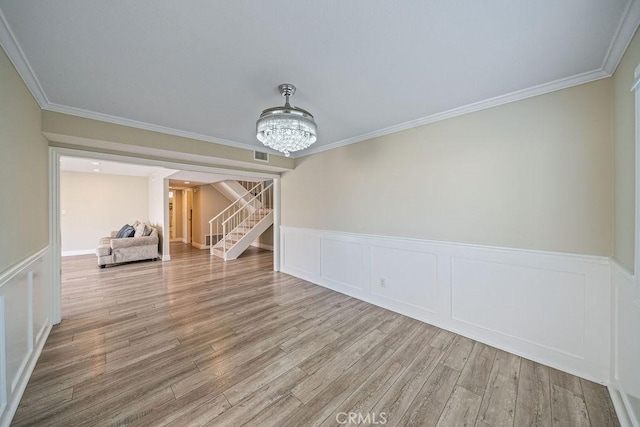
<point>24,171</point>
<point>624,143</point>
<point>178,201</point>
<point>66,131</point>
<point>266,238</point>
<point>95,204</point>
<point>158,210</point>
<point>533,174</point>
<point>207,203</point>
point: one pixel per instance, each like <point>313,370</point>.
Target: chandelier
<point>286,129</point>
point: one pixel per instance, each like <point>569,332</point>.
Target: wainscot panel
<point>24,327</point>
<point>552,308</point>
<point>625,384</point>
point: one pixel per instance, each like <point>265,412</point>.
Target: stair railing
<point>235,224</point>
<point>215,223</point>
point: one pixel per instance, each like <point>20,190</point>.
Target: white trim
<point>466,109</point>
<point>636,266</point>
<point>55,239</point>
<point>79,252</point>
<point>12,285</point>
<point>176,239</point>
<point>624,34</point>
<point>79,112</point>
<point>262,246</point>
<point>619,406</point>
<point>626,273</point>
<point>438,283</point>
<point>10,272</point>
<point>277,197</point>
<point>24,379</point>
<point>199,245</point>
<point>19,60</point>
<point>621,40</point>
<point>598,259</point>
<point>622,281</point>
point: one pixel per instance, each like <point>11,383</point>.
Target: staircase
<point>234,229</point>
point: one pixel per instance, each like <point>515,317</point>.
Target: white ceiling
<point>176,178</point>
<point>363,68</point>
<point>78,164</point>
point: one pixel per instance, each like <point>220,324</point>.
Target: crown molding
<point>19,60</point>
<point>79,112</point>
<point>470,108</point>
<point>626,29</point>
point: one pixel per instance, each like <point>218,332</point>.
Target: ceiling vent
<point>259,155</point>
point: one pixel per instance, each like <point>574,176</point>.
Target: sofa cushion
<point>129,232</point>
<point>139,230</point>
<point>122,231</point>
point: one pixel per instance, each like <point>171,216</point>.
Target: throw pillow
<point>121,232</point>
<point>147,230</point>
<point>129,232</point>
<point>139,231</point>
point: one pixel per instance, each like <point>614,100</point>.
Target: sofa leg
<point>102,266</point>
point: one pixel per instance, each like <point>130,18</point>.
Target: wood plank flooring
<point>197,341</point>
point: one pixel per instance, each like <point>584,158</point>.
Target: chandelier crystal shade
<point>286,129</point>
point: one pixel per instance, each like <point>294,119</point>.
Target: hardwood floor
<point>197,341</point>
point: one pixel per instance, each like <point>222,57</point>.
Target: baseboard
<point>626,342</point>
<point>262,246</point>
<point>79,252</point>
<point>620,406</point>
<point>520,301</point>
<point>12,407</point>
<point>199,245</point>
<point>177,240</point>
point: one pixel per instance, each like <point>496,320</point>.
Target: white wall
<point>549,307</point>
<point>93,205</point>
<point>159,211</point>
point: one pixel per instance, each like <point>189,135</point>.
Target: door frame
<point>54,206</point>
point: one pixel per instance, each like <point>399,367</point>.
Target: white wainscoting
<point>625,384</point>
<point>553,308</point>
<point>24,327</point>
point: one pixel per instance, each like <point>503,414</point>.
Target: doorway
<point>55,154</point>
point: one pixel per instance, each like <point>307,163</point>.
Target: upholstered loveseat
<point>112,250</point>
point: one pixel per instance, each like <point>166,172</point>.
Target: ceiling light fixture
<point>96,170</point>
<point>95,163</point>
<point>286,129</point>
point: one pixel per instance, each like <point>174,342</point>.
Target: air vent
<point>259,155</point>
